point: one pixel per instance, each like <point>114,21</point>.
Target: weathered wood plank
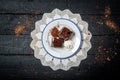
<point>74,1</point>
<point>8,23</point>
<point>40,7</point>
<point>12,45</point>
<point>29,67</point>
<point>15,45</point>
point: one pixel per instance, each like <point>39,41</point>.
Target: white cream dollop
<point>69,44</point>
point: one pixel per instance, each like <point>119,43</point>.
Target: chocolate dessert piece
<point>58,37</point>
<point>54,32</point>
<point>65,33</point>
<point>58,42</point>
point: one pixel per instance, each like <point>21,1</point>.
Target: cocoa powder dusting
<point>111,24</point>
<point>107,12</point>
<point>108,58</point>
<point>19,30</point>
<point>26,25</point>
<point>108,21</point>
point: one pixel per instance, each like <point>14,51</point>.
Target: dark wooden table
<point>16,56</point>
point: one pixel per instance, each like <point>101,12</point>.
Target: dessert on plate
<point>61,37</point>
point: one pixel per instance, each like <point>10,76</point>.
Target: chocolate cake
<point>58,42</point>
<point>54,32</point>
<point>65,33</point>
<point>60,36</point>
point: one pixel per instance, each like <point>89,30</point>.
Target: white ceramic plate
<point>62,53</point>
<point>61,58</point>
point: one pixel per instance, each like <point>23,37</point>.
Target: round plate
<point>62,53</point>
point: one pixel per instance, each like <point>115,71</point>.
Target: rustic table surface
<point>17,20</point>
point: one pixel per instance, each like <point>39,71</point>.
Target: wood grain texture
<point>13,45</point>
<point>30,68</point>
<point>40,7</point>
<point>8,23</point>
